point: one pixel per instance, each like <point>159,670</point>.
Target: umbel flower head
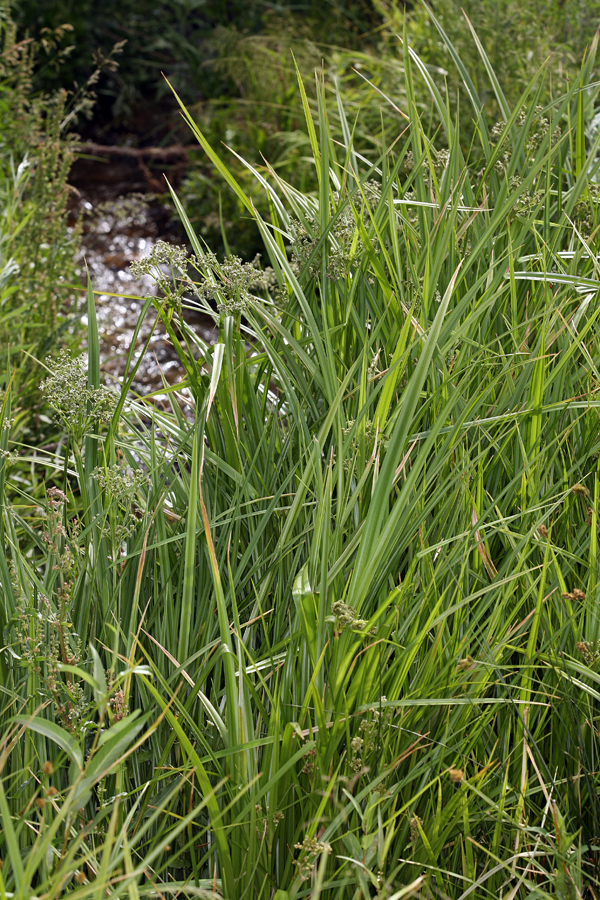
<point>162,255</point>
<point>167,265</point>
<point>232,282</point>
<point>76,405</point>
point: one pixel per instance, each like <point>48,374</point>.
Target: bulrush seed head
<point>231,282</point>
<point>590,650</point>
<point>75,403</point>
<point>312,849</point>
<point>345,251</point>
<point>414,828</point>
<point>580,490</point>
<point>163,254</point>
<point>346,617</point>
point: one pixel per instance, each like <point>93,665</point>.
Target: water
<point>121,222</point>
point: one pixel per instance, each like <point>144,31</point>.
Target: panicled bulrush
<point>586,211</point>
<point>312,848</point>
<point>525,202</point>
<point>346,617</point>
<point>374,437</point>
<point>414,823</point>
<point>163,254</point>
<point>376,721</point>
<point>173,282</point>
<point>121,487</point>
<point>42,634</point>
<point>356,763</point>
<point>465,664</point>
<point>231,282</point>
<point>590,650</point>
<point>345,252</point>
<point>580,490</point>
<point>76,405</point>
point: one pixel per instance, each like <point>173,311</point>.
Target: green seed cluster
<point>586,211</point>
<point>590,650</point>
<point>232,282</point>
<point>121,487</point>
<point>119,482</point>
<point>346,618</point>
<point>162,254</point>
<point>76,405</point>
<point>311,849</point>
<point>373,434</point>
<point>346,249</point>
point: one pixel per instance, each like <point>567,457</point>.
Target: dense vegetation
<point>37,248</point>
<point>325,624</point>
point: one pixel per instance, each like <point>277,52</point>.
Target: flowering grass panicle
<point>162,255</point>
<point>76,405</point>
<point>167,265</point>
<point>121,487</point>
<point>590,650</point>
<point>345,617</point>
<point>232,282</point>
<point>310,849</point>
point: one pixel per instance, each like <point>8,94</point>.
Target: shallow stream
<point>121,223</point>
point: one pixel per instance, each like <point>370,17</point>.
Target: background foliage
<point>38,245</point>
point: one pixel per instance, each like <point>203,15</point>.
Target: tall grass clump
<point>38,241</point>
<point>260,115</point>
<point>324,623</point>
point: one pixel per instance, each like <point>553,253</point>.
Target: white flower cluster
<point>163,254</point>
<point>75,403</point>
<point>121,487</point>
<point>231,282</point>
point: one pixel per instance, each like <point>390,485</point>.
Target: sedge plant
<point>323,621</point>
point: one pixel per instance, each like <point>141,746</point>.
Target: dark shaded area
<point>174,37</point>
